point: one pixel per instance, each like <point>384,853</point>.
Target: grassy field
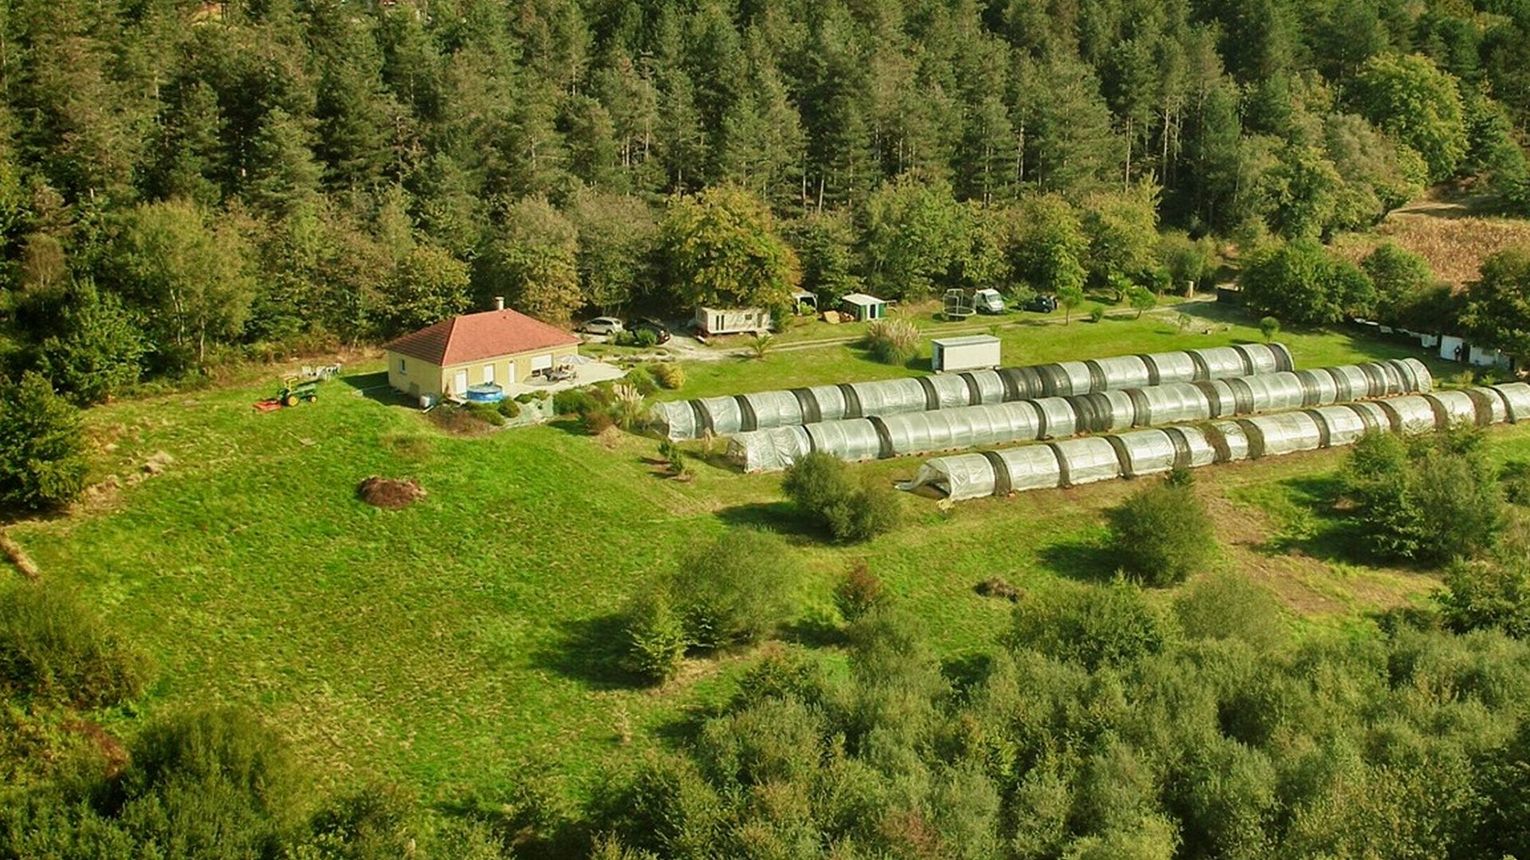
<point>463,643</point>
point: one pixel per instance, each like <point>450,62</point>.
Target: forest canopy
<point>350,170</point>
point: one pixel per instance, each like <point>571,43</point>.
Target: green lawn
<point>457,643</point>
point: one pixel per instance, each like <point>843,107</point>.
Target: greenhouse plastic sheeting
<point>1140,452</point>
<point>1453,409</point>
<point>1285,433</point>
<point>1087,460</point>
<point>989,383</point>
<point>725,416</point>
<point>1339,425</point>
<point>1108,411</point>
<point>1516,397</point>
<point>951,390</point>
<point>769,450</point>
<point>1030,468</point>
<point>961,477</point>
<point>848,440</point>
<point>770,409</point>
<point>962,428</point>
<point>1121,371</point>
<point>1409,415</point>
<point>889,397</point>
<point>1169,404</point>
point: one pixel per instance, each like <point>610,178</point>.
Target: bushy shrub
<point>671,452</point>
<point>215,783</point>
<point>488,413</point>
<point>735,589</point>
<point>42,448</point>
<point>508,408</point>
<point>1430,500</point>
<point>1161,534</point>
<point>669,374</point>
<point>1097,313</point>
<point>1491,593</point>
<point>892,341</point>
<point>1229,606</point>
<point>656,639</point>
<point>52,648</point>
<point>1514,478</point>
<point>646,338</point>
<point>573,401</point>
<point>821,486</point>
<point>642,379</point>
<point>859,591</point>
<point>1268,328</point>
<point>1109,626</point>
<point>868,510</point>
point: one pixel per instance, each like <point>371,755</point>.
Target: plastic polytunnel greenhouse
<point>882,437</point>
<point>728,415</point>
<point>1145,452</point>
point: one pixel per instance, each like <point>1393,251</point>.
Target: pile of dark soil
<point>389,493</point>
<point>998,587</point>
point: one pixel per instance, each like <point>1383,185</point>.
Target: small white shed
<point>973,352</point>
<point>715,321</point>
<point>863,308</point>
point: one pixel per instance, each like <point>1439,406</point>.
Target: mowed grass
<point>464,644</point>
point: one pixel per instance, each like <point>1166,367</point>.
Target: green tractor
<point>297,390</point>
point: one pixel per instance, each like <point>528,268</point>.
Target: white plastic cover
<point>1145,452</point>
<point>854,439</point>
<point>890,397</point>
<point>725,415</point>
<point>962,477</point>
<point>990,385</point>
<point>951,389</point>
<point>1032,467</point>
<point>1452,409</point>
<point>1343,425</point>
<point>1170,404</point>
<point>769,450</point>
<point>674,419</point>
<point>1275,392</point>
<point>1122,371</point>
<point>773,409</point>
<point>1088,459</point>
<point>1516,397</point>
<point>1409,415</point>
<point>1285,433</point>
<point>1222,362</point>
<point>1230,440</point>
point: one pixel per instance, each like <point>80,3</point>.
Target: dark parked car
<point>1042,303</point>
<point>660,330</point>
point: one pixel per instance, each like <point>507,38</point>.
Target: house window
<point>401,367</point>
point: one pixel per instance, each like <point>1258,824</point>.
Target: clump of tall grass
<point>892,341</point>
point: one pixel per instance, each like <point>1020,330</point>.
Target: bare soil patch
<point>388,493</point>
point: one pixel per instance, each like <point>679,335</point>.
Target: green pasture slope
<point>461,644</point>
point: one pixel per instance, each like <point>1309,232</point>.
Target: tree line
<point>181,181</point>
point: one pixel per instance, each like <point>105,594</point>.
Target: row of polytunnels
<point>1145,452</point>
<point>1059,417</point>
<point>742,413</point>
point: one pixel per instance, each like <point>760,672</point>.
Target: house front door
<point>459,383</point>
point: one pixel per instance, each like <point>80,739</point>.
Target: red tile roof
<point>473,337</point>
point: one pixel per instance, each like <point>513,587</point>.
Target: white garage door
<point>541,362</point>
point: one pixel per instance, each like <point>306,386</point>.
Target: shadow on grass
<point>1084,558</point>
<point>589,650</point>
<point>815,632</point>
<point>781,517</point>
<point>1316,529</point>
<point>375,387</point>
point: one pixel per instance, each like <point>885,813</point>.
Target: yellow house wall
<point>422,375</point>
<point>442,381</point>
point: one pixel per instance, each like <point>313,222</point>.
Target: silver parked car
<point>602,325</point>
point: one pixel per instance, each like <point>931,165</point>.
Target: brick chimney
<point>499,303</point>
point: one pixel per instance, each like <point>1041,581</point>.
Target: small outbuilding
<point>719,321</point>
<point>805,302</point>
<point>494,348</point>
<point>972,352</point>
<point>863,308</point>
